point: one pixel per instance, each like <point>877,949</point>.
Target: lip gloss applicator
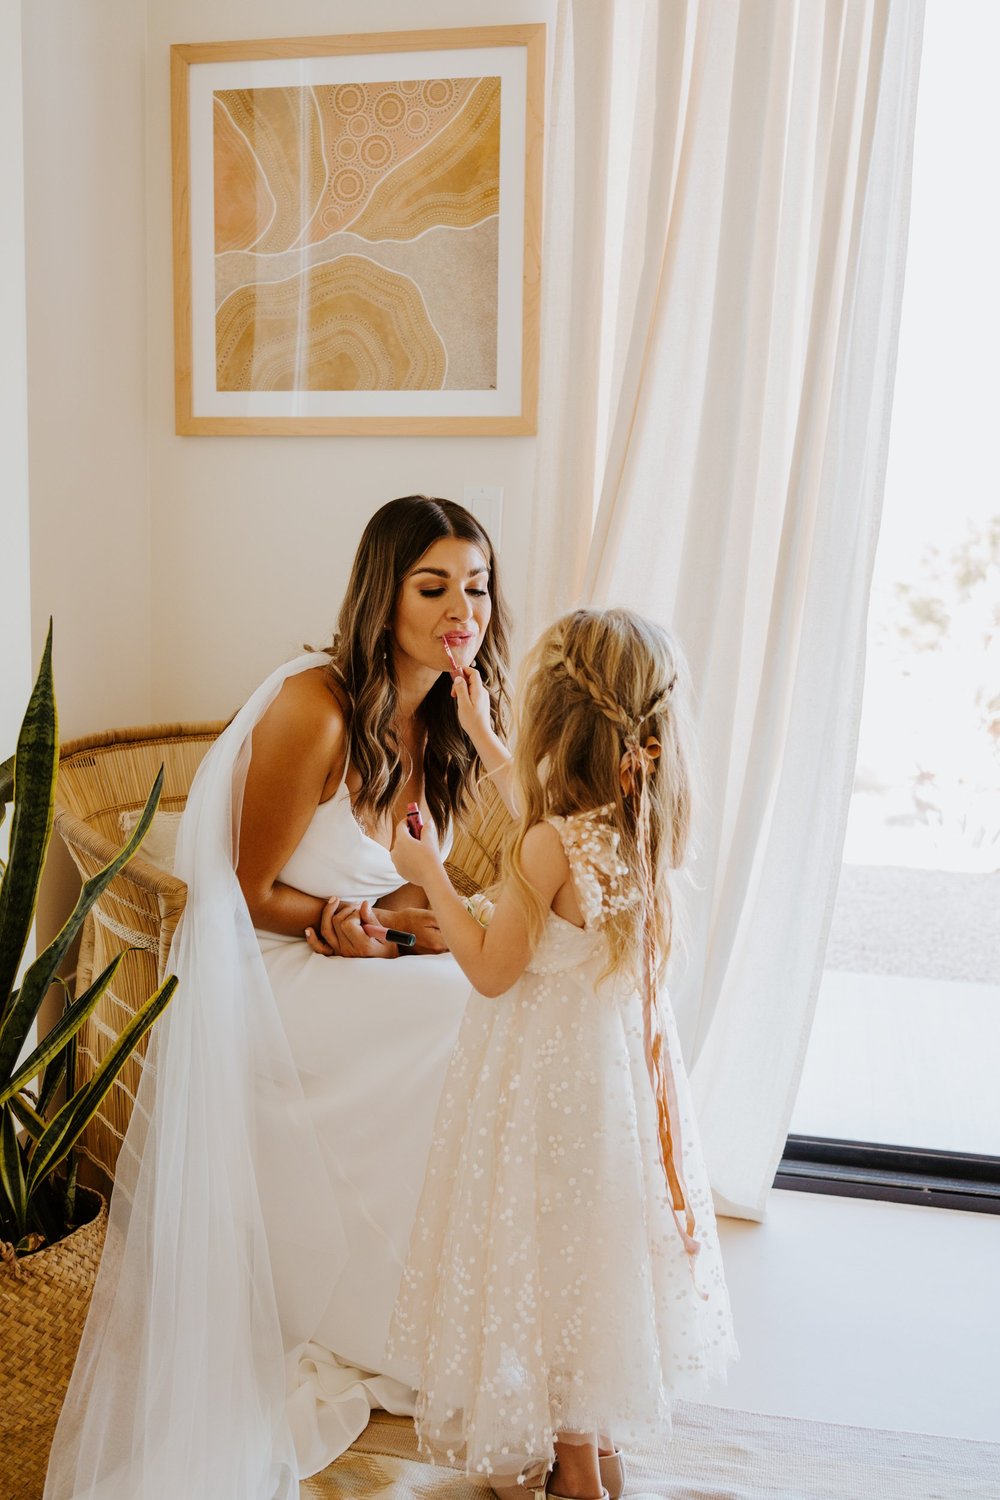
<point>456,670</point>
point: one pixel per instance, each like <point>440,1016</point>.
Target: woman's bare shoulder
<point>307,712</point>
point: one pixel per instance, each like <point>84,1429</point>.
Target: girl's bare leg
<point>576,1473</point>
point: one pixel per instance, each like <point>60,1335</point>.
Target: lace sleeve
<point>600,875</point>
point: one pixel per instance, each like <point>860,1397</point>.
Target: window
<point>899,1090</point>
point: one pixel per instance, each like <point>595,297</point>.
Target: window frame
<point>893,1174</point>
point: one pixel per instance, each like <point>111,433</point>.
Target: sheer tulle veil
<point>221,1211</point>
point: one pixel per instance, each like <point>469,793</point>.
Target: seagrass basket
<point>43,1306</point>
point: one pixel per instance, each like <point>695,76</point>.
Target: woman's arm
<point>491,958</point>
<point>298,754</point>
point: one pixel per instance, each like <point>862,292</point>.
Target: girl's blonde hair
<point>601,683</point>
<point>601,724</point>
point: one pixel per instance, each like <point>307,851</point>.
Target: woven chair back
<point>100,778</point>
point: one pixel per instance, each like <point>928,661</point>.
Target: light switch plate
<point>486,503</point>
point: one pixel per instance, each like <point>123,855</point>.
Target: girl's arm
<point>491,958</point>
<point>473,704</point>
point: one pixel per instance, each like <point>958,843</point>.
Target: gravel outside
<point>931,924</point>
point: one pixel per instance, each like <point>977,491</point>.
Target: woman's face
<point>444,597</point>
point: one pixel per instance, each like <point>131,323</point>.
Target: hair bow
<point>637,761</point>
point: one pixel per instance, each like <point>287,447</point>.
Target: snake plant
<point>39,1126</point>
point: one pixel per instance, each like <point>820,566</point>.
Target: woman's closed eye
<point>436,593</point>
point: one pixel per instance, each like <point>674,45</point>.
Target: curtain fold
<point>748,353</point>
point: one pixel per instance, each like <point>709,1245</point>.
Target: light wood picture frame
<point>357,233</point>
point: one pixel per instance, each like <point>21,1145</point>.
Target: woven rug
<point>715,1454</point>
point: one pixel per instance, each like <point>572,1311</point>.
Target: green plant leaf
<point>12,1170</point>
<point>28,1117</point>
<point>45,1214</point>
<point>6,786</point>
<point>35,764</point>
<point>62,1032</point>
<point>42,972</point>
<point>72,1119</point>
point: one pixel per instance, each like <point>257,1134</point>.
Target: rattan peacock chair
<point>104,779</point>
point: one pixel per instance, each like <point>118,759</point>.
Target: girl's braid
<point>593,690</point>
<point>656,705</point>
<point>603,700</point>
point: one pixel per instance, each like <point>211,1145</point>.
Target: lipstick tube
<point>390,935</point>
<point>414,821</point>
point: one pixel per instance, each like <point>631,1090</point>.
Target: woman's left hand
<point>419,920</point>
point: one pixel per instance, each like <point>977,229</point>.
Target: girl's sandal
<point>612,1467</point>
<point>524,1491</point>
<point>551,1495</point>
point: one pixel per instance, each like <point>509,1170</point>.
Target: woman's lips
<point>453,642</point>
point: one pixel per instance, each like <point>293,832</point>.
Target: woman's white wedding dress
<point>371,1041</point>
<point>267,1184</point>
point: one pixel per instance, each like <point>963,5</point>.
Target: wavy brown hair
<point>396,537</point>
<point>596,681</point>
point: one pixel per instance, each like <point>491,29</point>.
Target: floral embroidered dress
<point>548,1288</point>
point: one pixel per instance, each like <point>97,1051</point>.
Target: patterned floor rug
<point>715,1454</point>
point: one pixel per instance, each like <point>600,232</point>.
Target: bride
<point>270,1174</point>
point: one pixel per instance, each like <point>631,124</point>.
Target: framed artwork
<point>357,228</point>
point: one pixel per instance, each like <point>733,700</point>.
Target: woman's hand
<point>342,934</point>
<point>419,920</point>
<point>415,858</point>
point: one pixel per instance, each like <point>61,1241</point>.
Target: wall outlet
<point>486,503</point>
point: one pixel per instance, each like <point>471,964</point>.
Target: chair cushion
<point>160,844</point>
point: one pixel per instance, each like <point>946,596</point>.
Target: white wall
<point>15,602</point>
<point>85,235</point>
<point>253,537</point>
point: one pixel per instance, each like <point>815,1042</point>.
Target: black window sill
<point>896,1174</point>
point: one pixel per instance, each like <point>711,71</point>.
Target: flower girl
<point>564,1281</point>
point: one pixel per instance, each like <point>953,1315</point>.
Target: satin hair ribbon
<point>637,761</point>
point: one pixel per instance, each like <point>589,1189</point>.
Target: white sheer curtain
<point>758,157</point>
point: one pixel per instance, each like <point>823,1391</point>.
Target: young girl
<point>564,1279</point>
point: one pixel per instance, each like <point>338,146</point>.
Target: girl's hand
<point>415,858</point>
<point>342,935</point>
<point>473,704</point>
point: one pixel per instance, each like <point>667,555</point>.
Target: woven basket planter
<point>43,1306</point>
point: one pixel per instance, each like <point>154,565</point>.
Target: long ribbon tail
<point>659,1062</point>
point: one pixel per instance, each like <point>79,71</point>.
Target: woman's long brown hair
<point>395,538</point>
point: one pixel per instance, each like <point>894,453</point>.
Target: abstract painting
<point>356,226</point>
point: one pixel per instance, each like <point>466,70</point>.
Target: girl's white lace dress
<point>547,1287</point>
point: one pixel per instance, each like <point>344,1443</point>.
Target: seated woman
<point>269,1179</point>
